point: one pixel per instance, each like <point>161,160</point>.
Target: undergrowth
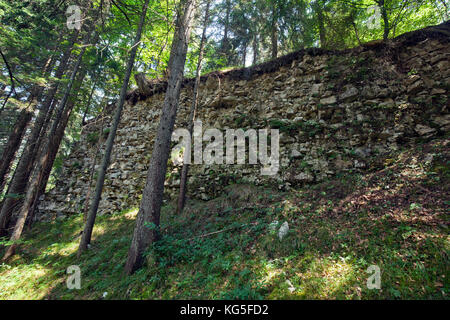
<point>228,247</point>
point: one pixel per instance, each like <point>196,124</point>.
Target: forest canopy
<point>240,33</point>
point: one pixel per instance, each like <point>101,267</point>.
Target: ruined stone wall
<point>336,112</point>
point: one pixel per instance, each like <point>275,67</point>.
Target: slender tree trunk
<point>320,21</point>
<point>384,15</point>
<point>92,170</point>
<point>225,40</point>
<point>18,132</point>
<point>254,30</point>
<point>38,172</point>
<point>150,207</point>
<point>244,55</point>
<point>58,136</point>
<point>22,173</point>
<point>158,60</point>
<point>193,111</point>
<point>50,100</point>
<point>88,104</point>
<point>274,32</point>
<point>87,232</point>
<point>11,69</point>
<point>274,38</point>
<point>255,49</point>
<point>13,144</point>
<point>356,32</point>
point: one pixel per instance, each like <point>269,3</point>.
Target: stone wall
<point>336,112</point>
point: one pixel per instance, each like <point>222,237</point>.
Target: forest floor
<point>395,217</point>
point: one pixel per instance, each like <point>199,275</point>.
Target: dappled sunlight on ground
<point>131,214</point>
<point>394,218</point>
<point>23,282</point>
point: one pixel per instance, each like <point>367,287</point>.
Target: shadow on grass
<point>228,247</point>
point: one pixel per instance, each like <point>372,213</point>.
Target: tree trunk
<point>88,104</point>
<point>244,55</point>
<point>22,173</point>
<point>274,32</point>
<point>193,111</point>
<point>92,170</point>
<point>225,40</point>
<point>17,134</point>
<point>158,60</point>
<point>320,18</point>
<point>150,207</point>
<point>38,172</point>
<point>58,136</point>
<point>255,49</point>
<point>11,69</point>
<point>87,232</point>
<point>356,32</point>
<point>13,144</point>
<point>384,15</point>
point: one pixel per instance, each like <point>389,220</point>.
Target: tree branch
<point>11,77</point>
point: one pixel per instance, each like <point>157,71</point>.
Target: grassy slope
<point>395,217</point>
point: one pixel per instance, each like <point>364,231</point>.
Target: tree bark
<point>384,15</point>
<point>150,207</point>
<point>320,22</point>
<point>22,173</point>
<point>225,40</point>
<point>356,32</point>
<point>12,88</point>
<point>18,132</point>
<point>88,104</point>
<point>274,32</point>
<point>244,55</point>
<point>13,144</point>
<point>38,172</point>
<point>87,232</point>
<point>254,31</point>
<point>58,136</point>
<point>92,170</point>
<point>255,49</point>
<point>193,111</point>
